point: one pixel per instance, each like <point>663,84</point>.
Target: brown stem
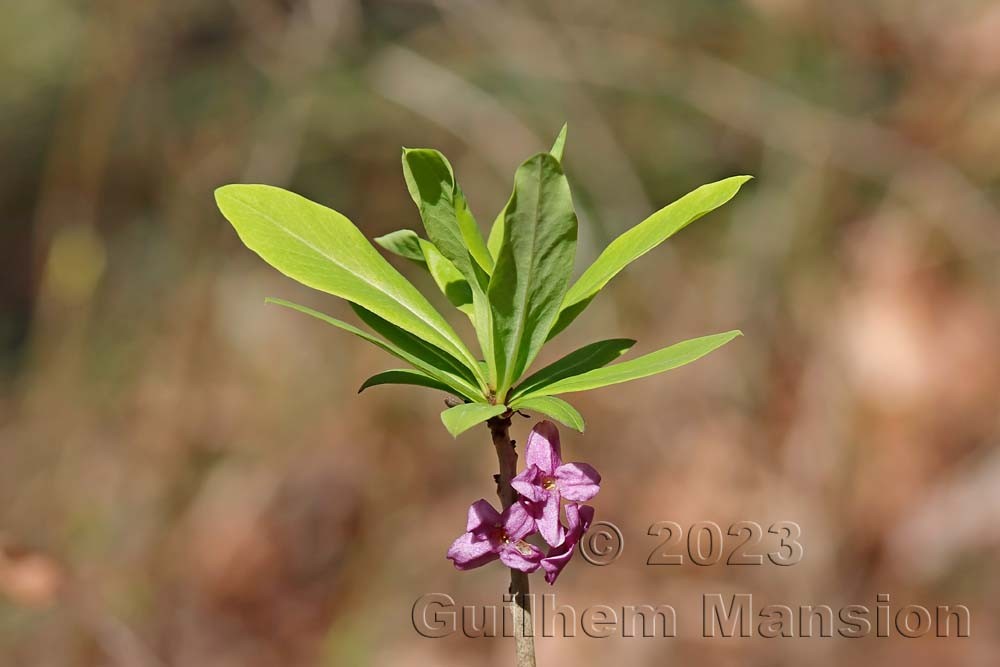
<point>524,643</point>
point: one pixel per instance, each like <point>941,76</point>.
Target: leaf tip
<point>222,192</point>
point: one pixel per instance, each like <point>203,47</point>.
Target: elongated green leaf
<point>322,249</point>
<point>405,376</point>
<point>458,384</point>
<point>448,279</point>
<point>650,364</point>
<point>405,243</point>
<point>496,231</point>
<point>534,266</point>
<point>558,409</point>
<point>463,417</point>
<point>496,237</point>
<point>445,212</point>
<point>453,231</point>
<point>434,356</point>
<point>641,239</point>
<point>471,234</point>
<point>587,358</point>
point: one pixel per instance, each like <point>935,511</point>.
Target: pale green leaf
<point>496,237</point>
<point>534,266</point>
<point>585,359</point>
<point>471,233</point>
<point>405,243</point>
<point>405,376</point>
<point>459,384</point>
<point>448,279</point>
<point>560,144</point>
<point>640,239</point>
<point>650,364</point>
<point>463,417</point>
<point>321,248</point>
<point>558,409</point>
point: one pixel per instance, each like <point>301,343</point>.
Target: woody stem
<point>524,642</point>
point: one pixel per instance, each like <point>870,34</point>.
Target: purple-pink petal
<point>548,523</point>
<point>518,522</point>
<point>521,556</point>
<point>526,483</point>
<point>578,519</point>
<point>469,551</point>
<point>554,563</point>
<point>577,481</point>
<point>482,515</point>
<point>543,448</point>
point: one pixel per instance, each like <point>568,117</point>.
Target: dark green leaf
<point>405,376</point>
<point>437,358</point>
<point>533,269</point>
<point>585,359</point>
<point>458,383</point>
<point>496,231</point>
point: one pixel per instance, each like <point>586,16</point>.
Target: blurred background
<point>187,476</point>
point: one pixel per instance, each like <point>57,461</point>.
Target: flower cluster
<point>541,486</point>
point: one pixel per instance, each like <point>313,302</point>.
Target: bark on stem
<point>524,642</point>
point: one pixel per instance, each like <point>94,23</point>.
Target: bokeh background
<point>187,476</point>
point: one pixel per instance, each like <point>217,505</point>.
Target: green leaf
<point>321,248</point>
<point>641,239</point>
<point>471,233</point>
<point>585,359</point>
<point>534,266</point>
<point>405,376</point>
<point>458,383</point>
<point>448,279</point>
<point>558,409</point>
<point>463,417</point>
<point>436,357</point>
<point>496,231</point>
<point>453,285</point>
<point>496,237</point>
<point>445,212</point>
<point>560,143</point>
<point>453,231</point>
<point>650,364</point>
<point>405,243</point>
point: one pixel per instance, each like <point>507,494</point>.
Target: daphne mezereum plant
<point>515,288</point>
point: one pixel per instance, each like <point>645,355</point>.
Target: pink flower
<point>578,519</point>
<point>491,535</point>
<point>546,479</point>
